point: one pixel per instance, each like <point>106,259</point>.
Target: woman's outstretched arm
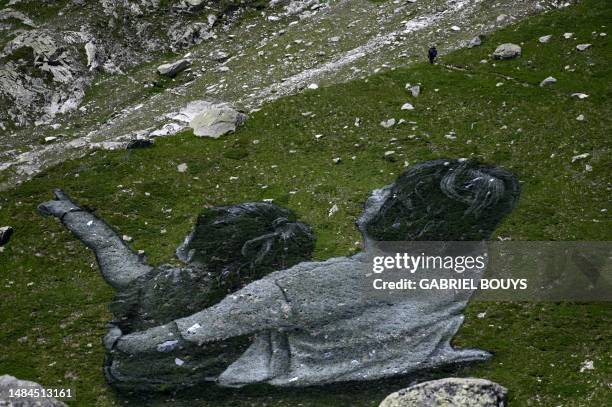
<point>118,263</point>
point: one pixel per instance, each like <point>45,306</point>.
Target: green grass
<point>54,301</point>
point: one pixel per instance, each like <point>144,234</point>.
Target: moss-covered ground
<point>53,307</point>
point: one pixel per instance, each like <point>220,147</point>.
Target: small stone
<point>545,38</point>
<point>580,95</point>
<point>474,42</point>
<point>313,86</point>
<point>179,362</point>
<point>548,81</point>
<point>407,106</point>
<point>388,123</point>
<point>580,117</point>
<point>481,315</point>
<point>580,157</point>
<point>332,210</point>
<point>181,167</point>
<point>334,39</point>
<point>583,47</point>
<point>336,160</point>
<point>415,90</point>
<point>455,28</point>
<point>127,238</point>
<point>567,36</point>
<point>587,365</point>
<point>389,156</point>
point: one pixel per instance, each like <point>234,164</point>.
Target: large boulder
<point>8,383</point>
<point>456,392</point>
<point>216,121</point>
<point>507,51</point>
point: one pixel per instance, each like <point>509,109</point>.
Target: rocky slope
<point>79,75</point>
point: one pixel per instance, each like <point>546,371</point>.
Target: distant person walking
<point>432,54</point>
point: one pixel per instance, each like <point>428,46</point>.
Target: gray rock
<point>5,234</point>
<point>415,90</point>
<point>388,123</point>
<point>43,75</point>
<point>8,382</point>
<point>507,51</point>
<point>173,68</point>
<point>216,121</point>
<point>544,39</point>
<point>474,42</point>
<point>548,81</point>
<point>451,391</point>
<point>314,322</point>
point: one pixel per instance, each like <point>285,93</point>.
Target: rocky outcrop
<point>451,391</point>
<point>8,383</point>
<point>46,71</point>
<point>43,75</point>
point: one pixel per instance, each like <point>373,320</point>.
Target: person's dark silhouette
<point>432,54</point>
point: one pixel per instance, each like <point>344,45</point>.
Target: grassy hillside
<point>53,308</point>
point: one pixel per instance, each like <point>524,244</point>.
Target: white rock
<point>587,365</point>
<point>334,39</point>
<point>567,36</point>
<point>545,38</point>
<point>548,81</point>
<point>583,47</point>
<point>580,95</point>
<point>337,160</point>
<point>181,167</point>
<point>332,210</point>
<point>179,362</point>
<point>388,123</point>
<point>313,86</point>
<point>127,238</point>
<point>455,28</point>
<point>580,157</point>
<point>49,139</point>
<point>580,117</point>
<point>407,106</point>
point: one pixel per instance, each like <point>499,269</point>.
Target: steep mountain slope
<point>254,58</point>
